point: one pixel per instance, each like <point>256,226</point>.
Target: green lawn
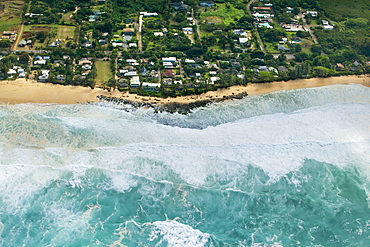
<point>227,13</point>
<point>103,72</point>
<point>65,32</point>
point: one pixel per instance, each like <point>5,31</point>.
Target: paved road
<point>260,42</point>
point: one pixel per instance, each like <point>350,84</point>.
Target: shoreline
<point>22,91</point>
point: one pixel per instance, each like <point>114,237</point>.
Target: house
<point>131,73</point>
<point>135,82</point>
<point>22,43</point>
<point>168,73</point>
<point>169,62</point>
<point>328,27</point>
<point>179,6</point>
<point>167,81</point>
<point>58,62</point>
<point>60,78</point>
<point>55,43</point>
<point>151,86</point>
<point>87,66</point>
<point>132,45</point>
<point>239,32</point>
<point>282,48</point>
<point>146,14</point>
<point>263,69</point>
<point>311,13</point>
<point>213,79</point>
<point>189,60</point>
<point>243,41</point>
<point>128,31</point>
<point>39,62</point>
<point>102,42</point>
<point>11,72</point>
<point>262,8</point>
<point>84,61</point>
<point>44,76</point>
<point>325,22</point>
<point>339,66</point>
<point>207,4</point>
<point>187,30</point>
<point>116,44</point>
<point>158,33</point>
<point>93,18</point>
<point>123,83</point>
<point>282,69</point>
<point>132,62</point>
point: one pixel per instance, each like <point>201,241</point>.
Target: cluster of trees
<point>350,35</point>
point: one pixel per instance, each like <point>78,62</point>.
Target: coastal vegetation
<point>170,48</point>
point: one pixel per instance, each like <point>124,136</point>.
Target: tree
<point>5,43</point>
<point>24,58</point>
<point>112,83</point>
<point>41,36</point>
<point>302,56</point>
<point>297,48</point>
<point>316,49</point>
<point>303,34</point>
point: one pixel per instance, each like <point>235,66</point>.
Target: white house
<point>328,27</point>
<point>131,73</point>
<point>169,59</point>
<point>151,86</point>
<point>135,82</point>
<point>187,30</point>
<point>243,41</point>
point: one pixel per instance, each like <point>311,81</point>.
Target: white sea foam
<point>176,234</point>
<point>278,143</point>
<point>19,183</point>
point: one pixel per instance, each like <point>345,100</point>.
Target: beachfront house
<point>147,86</point>
<point>135,82</point>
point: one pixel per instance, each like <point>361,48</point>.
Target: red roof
<point>168,73</point>
<point>262,8</point>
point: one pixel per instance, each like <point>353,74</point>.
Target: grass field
<point>65,32</point>
<point>227,12</point>
<point>103,72</point>
<point>10,14</point>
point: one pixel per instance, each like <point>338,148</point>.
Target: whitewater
<point>290,168</point>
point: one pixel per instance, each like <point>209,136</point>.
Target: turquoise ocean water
<point>290,168</point>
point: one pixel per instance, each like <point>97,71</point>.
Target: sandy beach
<point>28,91</point>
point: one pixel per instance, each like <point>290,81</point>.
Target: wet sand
<point>27,91</point>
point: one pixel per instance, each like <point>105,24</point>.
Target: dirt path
<point>308,28</point>
<point>139,36</point>
<point>19,35</point>
<point>260,42</point>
